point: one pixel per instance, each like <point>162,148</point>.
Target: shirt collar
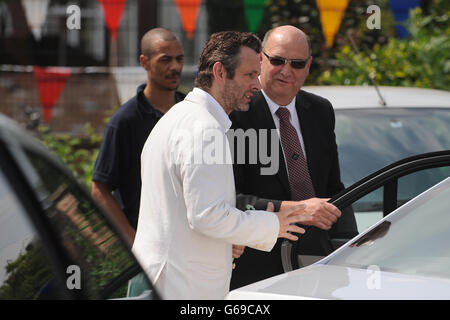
<point>274,106</point>
<point>143,103</point>
<point>215,108</point>
<point>146,107</point>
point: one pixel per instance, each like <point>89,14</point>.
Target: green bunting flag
<point>254,12</point>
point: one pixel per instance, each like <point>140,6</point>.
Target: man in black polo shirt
<point>116,182</point>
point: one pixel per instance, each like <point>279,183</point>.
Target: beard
<point>232,98</point>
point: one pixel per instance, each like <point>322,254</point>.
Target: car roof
<point>366,96</point>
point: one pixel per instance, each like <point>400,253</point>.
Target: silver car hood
<point>321,281</point>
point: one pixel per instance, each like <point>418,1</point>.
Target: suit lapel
<point>305,115</point>
<point>263,119</point>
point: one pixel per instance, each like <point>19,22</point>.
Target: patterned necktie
<point>299,179</point>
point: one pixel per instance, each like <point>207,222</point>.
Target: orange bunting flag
<point>188,10</point>
<point>331,13</point>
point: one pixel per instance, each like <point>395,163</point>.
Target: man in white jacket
<point>187,219</point>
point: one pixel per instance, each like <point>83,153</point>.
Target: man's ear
<point>308,64</point>
<point>219,72</point>
<point>143,61</point>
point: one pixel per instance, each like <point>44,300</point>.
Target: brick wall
<point>86,97</point>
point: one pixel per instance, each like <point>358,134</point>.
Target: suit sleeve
<point>247,201</point>
<point>335,184</point>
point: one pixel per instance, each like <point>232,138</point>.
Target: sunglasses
<point>295,63</point>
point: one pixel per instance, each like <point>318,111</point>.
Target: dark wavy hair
<point>224,47</point>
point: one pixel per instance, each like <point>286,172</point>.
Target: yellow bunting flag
<point>331,13</point>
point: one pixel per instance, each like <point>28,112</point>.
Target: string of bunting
<point>51,80</point>
<point>331,13</point>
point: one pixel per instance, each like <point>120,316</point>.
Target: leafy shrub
<point>78,153</point>
<point>422,60</point>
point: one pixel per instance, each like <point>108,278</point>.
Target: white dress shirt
<point>187,219</point>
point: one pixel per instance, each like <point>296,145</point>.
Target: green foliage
<point>422,60</point>
<point>26,276</point>
<point>305,15</point>
<point>78,153</point>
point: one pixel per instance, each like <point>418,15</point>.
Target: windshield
<point>415,239</point>
<point>370,139</point>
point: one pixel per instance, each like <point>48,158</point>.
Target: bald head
<point>284,34</point>
<point>151,39</point>
<point>282,81</point>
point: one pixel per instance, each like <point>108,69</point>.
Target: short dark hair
<point>149,38</point>
<point>224,47</point>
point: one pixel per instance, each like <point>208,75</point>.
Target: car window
<point>413,240</point>
<point>97,252</point>
<point>25,272</point>
<point>415,183</point>
<point>370,139</point>
<point>369,208</point>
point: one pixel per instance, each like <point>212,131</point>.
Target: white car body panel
<point>327,281</point>
<point>367,97</point>
<point>320,281</point>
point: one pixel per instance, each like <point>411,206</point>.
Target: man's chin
<point>172,87</point>
<point>242,107</point>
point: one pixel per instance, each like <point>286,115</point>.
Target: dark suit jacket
<point>317,122</point>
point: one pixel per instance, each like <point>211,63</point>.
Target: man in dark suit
<point>308,167</point>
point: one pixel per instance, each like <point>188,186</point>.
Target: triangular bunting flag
<point>35,12</point>
<point>254,12</point>
<point>331,13</point>
<point>113,10</point>
<point>50,83</point>
<point>188,10</point>
<point>400,9</point>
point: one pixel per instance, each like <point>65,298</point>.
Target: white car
<point>406,255</point>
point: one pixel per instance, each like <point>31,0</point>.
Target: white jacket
<point>187,218</point>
